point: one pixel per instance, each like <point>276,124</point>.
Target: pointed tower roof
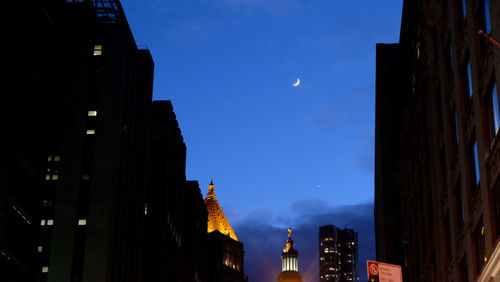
<point>216,218</point>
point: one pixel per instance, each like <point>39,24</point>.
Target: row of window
<point>50,222</point>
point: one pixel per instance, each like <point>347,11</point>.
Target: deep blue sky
<point>279,155</point>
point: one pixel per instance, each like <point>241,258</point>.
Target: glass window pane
<point>487,16</point>
<point>464,8</point>
<point>469,78</point>
<point>496,114</point>
<point>476,162</point>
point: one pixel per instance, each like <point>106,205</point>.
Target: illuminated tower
<point>289,262</point>
<point>224,252</point>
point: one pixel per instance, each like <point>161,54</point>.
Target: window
<point>85,177</point>
<point>45,269</point>
<point>55,177</point>
<point>495,115</point>
<point>486,17</point>
<point>477,176</point>
<point>92,113</point>
<point>82,222</point>
<point>90,131</point>
<point>97,50</point>
<point>464,8</point>
<point>455,123</point>
<point>50,222</point>
<point>49,158</point>
<point>468,78</point>
<point>450,56</point>
<point>57,158</point>
<point>40,249</point>
<point>42,222</point>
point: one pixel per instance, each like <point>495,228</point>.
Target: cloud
<point>264,237</point>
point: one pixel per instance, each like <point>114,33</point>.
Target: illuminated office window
<point>57,158</point>
<point>90,131</point>
<point>49,158</point>
<point>86,177</point>
<point>82,222</point>
<point>50,222</point>
<point>55,177</point>
<point>40,249</point>
<point>42,222</point>
<point>97,50</point>
<point>92,113</point>
<point>47,177</point>
<point>45,269</point>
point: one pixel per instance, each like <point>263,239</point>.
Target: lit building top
<point>216,218</point>
<point>289,262</point>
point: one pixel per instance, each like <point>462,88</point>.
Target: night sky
<point>280,156</point>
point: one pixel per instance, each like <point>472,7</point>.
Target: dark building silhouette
<point>73,131</point>
<point>338,254</point>
<point>289,262</point>
<point>437,188</point>
<point>163,236</point>
<point>194,257</point>
<point>388,124</point>
<point>225,255</point>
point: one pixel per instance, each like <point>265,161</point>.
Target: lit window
<point>42,222</point>
<point>92,113</point>
<point>40,249</point>
<point>86,177</point>
<point>55,177</point>
<point>145,208</point>
<point>47,177</point>
<point>45,269</point>
<point>57,158</point>
<point>49,158</point>
<point>494,110</point>
<point>82,222</point>
<point>90,131</point>
<point>50,222</point>
<point>97,50</point>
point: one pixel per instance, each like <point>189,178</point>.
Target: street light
<point>489,38</point>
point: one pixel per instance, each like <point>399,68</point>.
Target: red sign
<point>384,271</point>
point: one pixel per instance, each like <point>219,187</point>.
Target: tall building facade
<point>225,254</point>
<point>437,121</point>
<point>289,262</point>
<point>338,254</point>
<point>74,130</point>
<point>164,200</point>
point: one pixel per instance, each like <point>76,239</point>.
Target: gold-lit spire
<point>216,218</point>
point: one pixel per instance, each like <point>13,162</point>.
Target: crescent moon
<point>297,83</point>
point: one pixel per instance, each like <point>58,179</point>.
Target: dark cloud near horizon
<point>264,237</point>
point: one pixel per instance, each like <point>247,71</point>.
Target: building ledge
<point>491,271</point>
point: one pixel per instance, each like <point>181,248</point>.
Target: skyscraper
<point>225,255</point>
<point>75,129</point>
<point>289,262</point>
<point>437,150</point>
<point>338,254</point>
